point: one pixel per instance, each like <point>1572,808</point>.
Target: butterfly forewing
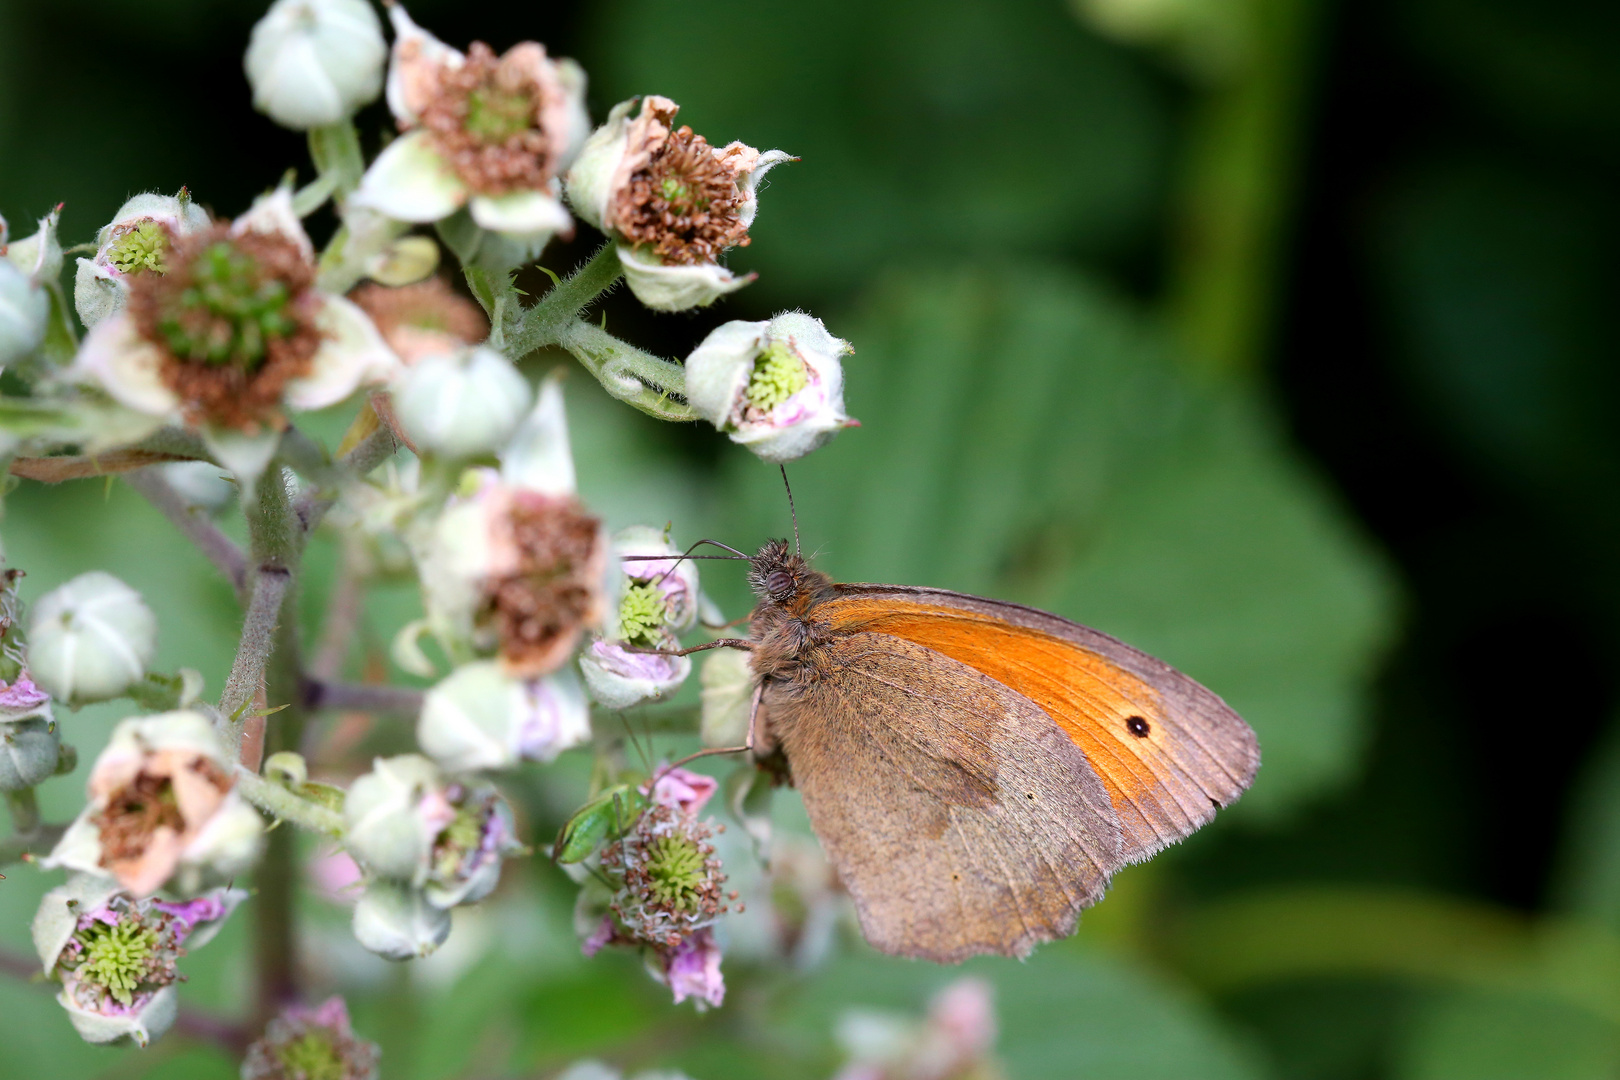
<point>1168,751</point>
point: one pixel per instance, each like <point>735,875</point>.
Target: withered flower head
<point>231,333</point>
<point>311,1044</point>
<point>487,132</point>
<point>550,589</point>
<point>674,201</point>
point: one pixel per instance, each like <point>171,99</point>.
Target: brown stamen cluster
<point>685,204</point>
<point>540,611</point>
<point>672,881</point>
<point>231,337</point>
<point>485,120</point>
<point>423,318</point>
<point>134,814</point>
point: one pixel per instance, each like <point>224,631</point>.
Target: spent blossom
<point>232,335</point>
<point>776,387</point>
<point>485,132</point>
<point>311,1044</point>
<point>674,202</point>
<point>163,810</point>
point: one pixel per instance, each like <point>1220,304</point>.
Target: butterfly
<point>976,770</point>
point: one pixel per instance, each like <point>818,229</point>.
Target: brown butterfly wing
<point>958,815</point>
<point>1168,751</point>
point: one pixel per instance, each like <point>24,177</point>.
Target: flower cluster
<point>184,360</point>
<point>953,1043</point>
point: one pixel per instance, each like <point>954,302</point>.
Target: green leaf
<point>1480,1036</point>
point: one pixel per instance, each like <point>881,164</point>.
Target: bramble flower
<point>479,717</point>
<point>136,242</point>
<point>692,970</point>
<point>776,387</point>
<point>116,955</point>
<point>681,789</point>
<point>90,639</point>
<point>658,598</point>
<point>674,203</point>
<point>461,403</point>
<point>163,810</point>
<point>514,565</point>
<point>233,333</point>
<point>311,1044</point>
<point>399,923</point>
<point>407,821</point>
<point>315,62</point>
<point>423,319</point>
<point>487,133</point>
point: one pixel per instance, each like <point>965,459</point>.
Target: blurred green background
<point>1266,334</point>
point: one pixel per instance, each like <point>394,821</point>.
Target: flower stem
<point>24,808</point>
<point>193,524</point>
<point>362,697</point>
<point>270,587</point>
<point>637,378</point>
<point>335,150</point>
<point>283,805</point>
<point>544,323</point>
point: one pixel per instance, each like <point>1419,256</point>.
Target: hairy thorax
<point>788,633</point>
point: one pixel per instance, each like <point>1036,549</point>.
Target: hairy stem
<point>283,805</point>
<point>639,379</point>
<point>369,453</point>
<point>259,625</point>
<point>193,524</point>
<point>335,150</point>
<point>543,324</point>
<point>24,809</point>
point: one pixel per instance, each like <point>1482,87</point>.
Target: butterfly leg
<point>748,742</point>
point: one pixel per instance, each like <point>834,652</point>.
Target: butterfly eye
<point>780,582</point>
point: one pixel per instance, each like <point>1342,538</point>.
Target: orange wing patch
<point>1120,721</point>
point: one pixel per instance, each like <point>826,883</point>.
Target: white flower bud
<point>461,404</point>
<point>23,311</point>
<point>29,752</point>
<point>315,62</point>
<point>390,819</point>
<point>727,697</point>
<point>776,387</point>
<point>91,638</point>
<point>481,718</point>
<point>398,923</point>
<point>40,255</point>
<point>621,679</point>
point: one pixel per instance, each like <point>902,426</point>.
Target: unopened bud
<point>315,62</point>
<point>91,638</point>
<point>397,922</point>
<point>461,404</point>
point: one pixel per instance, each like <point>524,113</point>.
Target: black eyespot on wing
<point>1031,795</point>
<point>1138,726</point>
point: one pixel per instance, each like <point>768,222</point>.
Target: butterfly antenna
<point>792,513</point>
<point>687,554</point>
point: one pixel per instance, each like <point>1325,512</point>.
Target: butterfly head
<point>777,574</point>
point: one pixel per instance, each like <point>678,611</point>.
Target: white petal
<point>246,456</point>
<point>126,365</point>
<point>578,118</point>
<point>97,294</point>
<point>749,180</point>
<point>352,352</point>
<point>718,370</point>
<point>291,86</point>
<point>677,288</point>
<point>139,1027</point>
<point>409,181</point>
<point>80,849</point>
<point>590,180</point>
<point>538,458</point>
<point>522,213</point>
<point>58,914</point>
<point>273,215</point>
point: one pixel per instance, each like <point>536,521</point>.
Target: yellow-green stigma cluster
<point>461,837</point>
<point>641,614</point>
<point>119,957</point>
<point>140,250</point>
<point>778,375</point>
<point>312,1056</point>
<point>496,115</point>
<point>229,311</point>
<point>676,873</point>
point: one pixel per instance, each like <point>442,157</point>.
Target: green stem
<point>24,808</point>
<point>497,296</point>
<point>1237,193</point>
<point>544,323</point>
<point>335,150</point>
<point>259,632</point>
<point>636,378</point>
<point>283,805</point>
